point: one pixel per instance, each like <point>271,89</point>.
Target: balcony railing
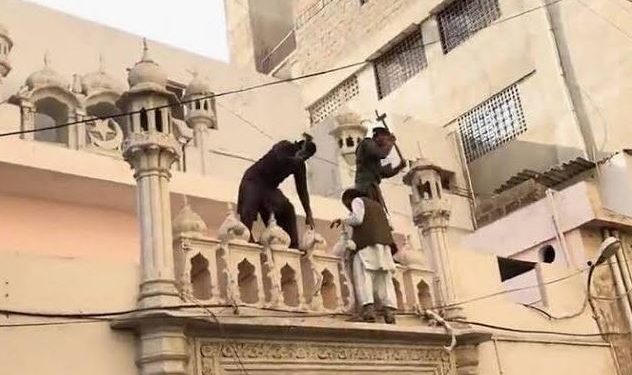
<point>278,54</point>
<point>230,270</point>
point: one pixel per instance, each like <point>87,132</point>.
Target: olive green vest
<point>374,229</point>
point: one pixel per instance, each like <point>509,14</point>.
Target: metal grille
<point>492,123</point>
<point>329,103</point>
<point>400,63</point>
<point>463,18</point>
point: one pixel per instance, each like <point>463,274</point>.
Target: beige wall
<point>454,83</point>
<point>41,283</point>
<point>74,46</point>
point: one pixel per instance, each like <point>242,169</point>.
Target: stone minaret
<point>200,117</point>
<point>151,149</point>
<point>6,44</point>
<point>348,132</point>
<point>431,214</point>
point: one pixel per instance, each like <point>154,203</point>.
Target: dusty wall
<point>40,283</point>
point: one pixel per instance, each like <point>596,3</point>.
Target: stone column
<point>151,155</point>
<point>163,349</point>
<point>431,214</point>
<point>27,120</point>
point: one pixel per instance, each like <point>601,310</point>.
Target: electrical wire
<point>109,314</point>
<point>541,332</point>
<point>254,87</point>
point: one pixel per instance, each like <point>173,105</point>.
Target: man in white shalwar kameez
<point>373,265</point>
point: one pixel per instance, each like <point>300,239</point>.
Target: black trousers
<point>255,198</point>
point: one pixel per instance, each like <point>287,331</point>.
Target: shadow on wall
<point>494,168</point>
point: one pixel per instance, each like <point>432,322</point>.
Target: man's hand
<point>336,223</point>
<point>309,221</point>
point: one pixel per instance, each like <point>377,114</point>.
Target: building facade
<point>121,252</point>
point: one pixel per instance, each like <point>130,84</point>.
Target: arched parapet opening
<point>247,282</point>
<point>201,278</point>
<point>328,290</point>
<point>424,296</point>
<point>289,286</point>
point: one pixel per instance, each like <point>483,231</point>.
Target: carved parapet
<point>343,250</point>
<point>198,273</point>
<point>232,229</point>
<point>188,222</point>
<point>323,287</point>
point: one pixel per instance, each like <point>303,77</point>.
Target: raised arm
<point>300,180</point>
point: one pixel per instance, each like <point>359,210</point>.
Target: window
<point>463,18</point>
<point>547,254</point>
<point>400,63</point>
<point>329,103</point>
<point>492,123</point>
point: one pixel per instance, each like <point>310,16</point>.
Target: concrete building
<point>106,270</point>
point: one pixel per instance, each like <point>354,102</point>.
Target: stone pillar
<point>200,116</point>
<point>150,148</point>
<point>431,214</point>
<point>151,155</point>
<point>163,349</point>
<point>27,120</point>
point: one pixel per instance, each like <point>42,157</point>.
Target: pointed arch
<point>328,290</point>
<point>289,286</point>
<point>200,278</point>
<point>247,282</point>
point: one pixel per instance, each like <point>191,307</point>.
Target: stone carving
<point>216,352</point>
<point>274,238</point>
<point>232,229</point>
<point>310,243</point>
<point>105,134</point>
<point>344,249</point>
<point>188,221</point>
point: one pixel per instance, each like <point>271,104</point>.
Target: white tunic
<point>377,257</point>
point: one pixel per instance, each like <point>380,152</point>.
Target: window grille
<point>328,104</point>
<point>463,18</point>
<point>492,123</point>
<point>400,63</point>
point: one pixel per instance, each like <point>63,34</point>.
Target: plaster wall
<point>257,119</point>
<point>518,356</point>
<point>51,284</point>
<point>482,66</point>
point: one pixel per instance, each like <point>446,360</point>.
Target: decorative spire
<point>47,59</point>
<point>101,63</point>
<point>146,52</point>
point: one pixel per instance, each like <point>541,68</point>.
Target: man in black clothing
<point>369,168</point>
<point>259,189</point>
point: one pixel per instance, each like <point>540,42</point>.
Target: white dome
<point>146,72</point>
<point>99,81</point>
<point>46,77</point>
<point>198,86</point>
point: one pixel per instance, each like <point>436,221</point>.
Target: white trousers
<point>372,284</point>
